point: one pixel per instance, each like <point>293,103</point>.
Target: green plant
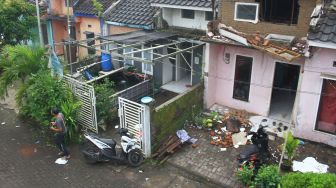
<point>215,116</point>
<point>267,177</point>
<point>308,180</point>
<point>290,148</point>
<point>104,103</point>
<point>40,94</point>
<point>245,175</point>
<point>70,109</point>
<point>17,20</point>
<point>19,63</point>
<point>98,7</point>
<point>207,122</point>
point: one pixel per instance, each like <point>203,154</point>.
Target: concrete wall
<point>322,61</point>
<point>300,29</point>
<point>113,30</point>
<point>220,78</point>
<point>89,24</point>
<point>173,18</point>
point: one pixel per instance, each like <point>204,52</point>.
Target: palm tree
<point>18,63</point>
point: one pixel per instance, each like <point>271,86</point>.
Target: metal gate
<point>86,94</point>
<point>136,118</point>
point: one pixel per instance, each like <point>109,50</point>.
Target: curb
<point>199,176</point>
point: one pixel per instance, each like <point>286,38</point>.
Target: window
<point>90,35</point>
<point>247,12</point>
<point>242,79</point>
<point>279,11</point>
<point>326,118</point>
<point>148,55</point>
<point>128,61</point>
<point>208,16</point>
<point>189,14</point>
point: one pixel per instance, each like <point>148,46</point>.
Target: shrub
<point>290,148</point>
<point>104,103</point>
<point>309,180</point>
<point>245,174</point>
<point>40,94</point>
<point>267,177</point>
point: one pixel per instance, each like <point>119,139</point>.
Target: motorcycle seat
<point>108,141</point>
<point>248,151</point>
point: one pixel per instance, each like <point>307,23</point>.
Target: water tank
<point>106,64</point>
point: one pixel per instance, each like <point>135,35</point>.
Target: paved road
<point>25,163</point>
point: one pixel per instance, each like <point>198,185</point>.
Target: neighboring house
<point>192,14</point>
<point>130,15</point>
<point>243,75</point>
<point>88,24</point>
<point>57,23</point>
<point>316,117</point>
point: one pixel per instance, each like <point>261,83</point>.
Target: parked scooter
<point>104,150</point>
<point>257,153</point>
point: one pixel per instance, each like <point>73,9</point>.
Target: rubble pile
<point>233,124</point>
<point>281,49</point>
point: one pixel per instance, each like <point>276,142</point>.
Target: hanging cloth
<point>54,64</point>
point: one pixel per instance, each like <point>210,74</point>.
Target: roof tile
<point>193,3</point>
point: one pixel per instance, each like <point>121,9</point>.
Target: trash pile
<point>230,129</point>
<point>284,47</point>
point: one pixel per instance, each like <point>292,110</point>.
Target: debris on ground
<point>167,147</point>
<point>61,161</point>
<point>3,123</point>
<point>309,164</point>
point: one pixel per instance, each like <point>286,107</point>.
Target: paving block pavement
<point>207,161</point>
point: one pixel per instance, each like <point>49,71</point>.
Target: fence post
<point>146,131</point>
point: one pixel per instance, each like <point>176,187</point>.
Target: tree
<point>17,18</point>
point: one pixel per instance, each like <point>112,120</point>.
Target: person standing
<point>59,128</point>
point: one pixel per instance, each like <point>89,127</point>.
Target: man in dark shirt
<point>59,128</point>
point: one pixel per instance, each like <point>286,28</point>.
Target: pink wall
<point>322,61</point>
<point>220,80</point>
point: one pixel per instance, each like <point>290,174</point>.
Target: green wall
<point>170,118</point>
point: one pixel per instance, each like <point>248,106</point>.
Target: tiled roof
<point>325,29</point>
<point>86,6</point>
<point>189,3</point>
<point>137,12</point>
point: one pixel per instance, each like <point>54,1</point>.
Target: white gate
<point>136,118</point>
<point>86,94</point>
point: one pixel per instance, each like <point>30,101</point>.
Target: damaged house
<point>257,59</point>
<point>316,119</point>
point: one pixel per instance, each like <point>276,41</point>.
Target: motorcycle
<point>257,153</point>
<point>105,150</point>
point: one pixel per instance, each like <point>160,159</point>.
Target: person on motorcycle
<point>59,128</point>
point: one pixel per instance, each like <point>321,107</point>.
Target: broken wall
<point>219,82</point>
<point>321,62</point>
<point>300,29</point>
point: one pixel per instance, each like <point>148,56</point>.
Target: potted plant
<point>290,149</point>
<point>245,175</point>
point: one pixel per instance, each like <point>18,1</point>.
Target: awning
<point>328,76</point>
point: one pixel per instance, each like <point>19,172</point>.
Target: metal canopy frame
<point>169,43</point>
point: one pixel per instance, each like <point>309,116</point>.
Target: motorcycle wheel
<point>135,157</point>
<point>93,151</point>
